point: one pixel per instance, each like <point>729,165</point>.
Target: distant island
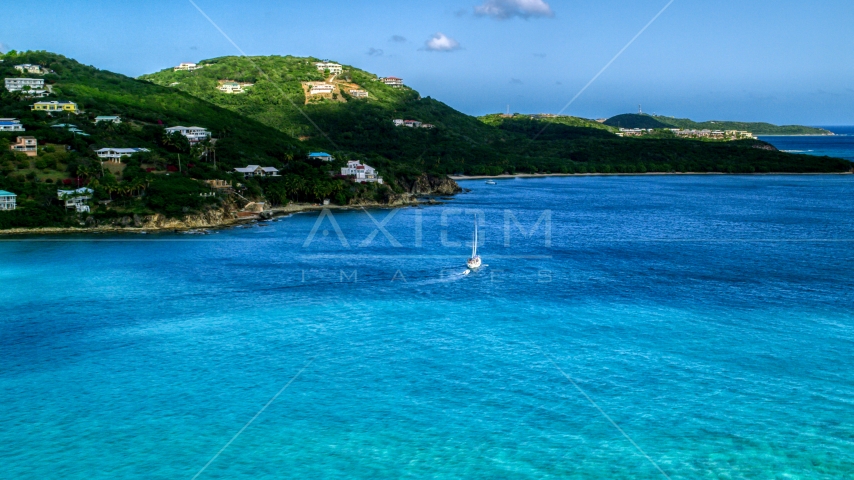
<point>643,121</point>
<point>235,138</point>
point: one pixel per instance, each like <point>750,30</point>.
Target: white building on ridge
<point>187,67</point>
<point>333,68</point>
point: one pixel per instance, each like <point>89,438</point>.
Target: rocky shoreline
<point>231,216</point>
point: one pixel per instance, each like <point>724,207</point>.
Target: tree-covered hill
<point>756,128</point>
<point>460,143</point>
<point>633,120</point>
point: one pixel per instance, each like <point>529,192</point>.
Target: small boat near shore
<point>491,182</point>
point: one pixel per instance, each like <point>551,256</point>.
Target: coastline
<point>543,175</point>
<point>224,224</point>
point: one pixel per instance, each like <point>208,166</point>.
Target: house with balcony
<point>7,200</point>
<point>55,106</point>
<point>76,199</point>
<point>361,173</point>
<point>193,134</point>
<point>10,125</point>
<point>322,156</point>
<point>320,88</point>
<point>356,93</point>
<point>392,81</point>
<point>333,68</point>
<point>29,68</point>
<point>228,86</point>
<point>398,122</point>
<point>108,119</point>
<point>115,155</point>
<point>250,171</point>
<point>412,123</point>
<point>18,84</point>
<point>187,67</point>
<point>29,146</point>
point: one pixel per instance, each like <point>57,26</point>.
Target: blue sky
<point>760,60</point>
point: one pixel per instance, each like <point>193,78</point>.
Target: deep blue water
<point>840,146</point>
<point>710,317</point>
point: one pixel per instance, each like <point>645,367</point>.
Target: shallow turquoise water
<point>709,317</point>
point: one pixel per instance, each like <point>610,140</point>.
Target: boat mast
<point>474,244</point>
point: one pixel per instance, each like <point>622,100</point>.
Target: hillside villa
<point>361,173</point>
<point>358,93</point>
<point>108,118</point>
<point>392,81</point>
<point>17,84</point>
<point>193,134</point>
<point>76,199</point>
<point>115,155</point>
<point>29,68</point>
<point>250,171</point>
<point>186,67</point>
<point>322,156</point>
<point>7,200</point>
<point>320,88</point>
<point>55,106</point>
<point>228,86</point>
<point>26,145</point>
<point>399,122</point>
<point>333,68</point>
<point>10,125</point>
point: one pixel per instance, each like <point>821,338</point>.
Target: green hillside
<point>633,120</point>
<point>146,183</point>
<point>755,128</point>
<point>459,144</point>
<point>496,119</point>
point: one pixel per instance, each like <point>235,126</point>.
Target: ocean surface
<point>700,327</point>
<point>840,146</point>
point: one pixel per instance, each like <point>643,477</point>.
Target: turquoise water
<point>709,317</point>
<point>840,146</point>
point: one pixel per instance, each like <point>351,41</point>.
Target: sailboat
<point>474,262</point>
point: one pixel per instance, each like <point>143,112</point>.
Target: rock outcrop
<point>426,184</point>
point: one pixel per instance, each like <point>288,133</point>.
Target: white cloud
<point>503,9</point>
<point>441,43</point>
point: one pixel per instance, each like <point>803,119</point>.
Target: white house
<point>29,68</point>
<point>398,122</point>
<point>7,200</point>
<point>108,118</point>
<point>35,93</point>
<point>228,86</point>
<point>428,125</point>
<point>76,199</point>
<point>358,93</point>
<point>187,67</point>
<point>257,171</point>
<point>361,173</point>
<point>16,84</point>
<point>115,154</point>
<point>412,123</point>
<point>193,134</point>
<point>318,88</point>
<point>322,156</point>
<point>10,125</point>
<point>333,68</point>
<point>392,81</point>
